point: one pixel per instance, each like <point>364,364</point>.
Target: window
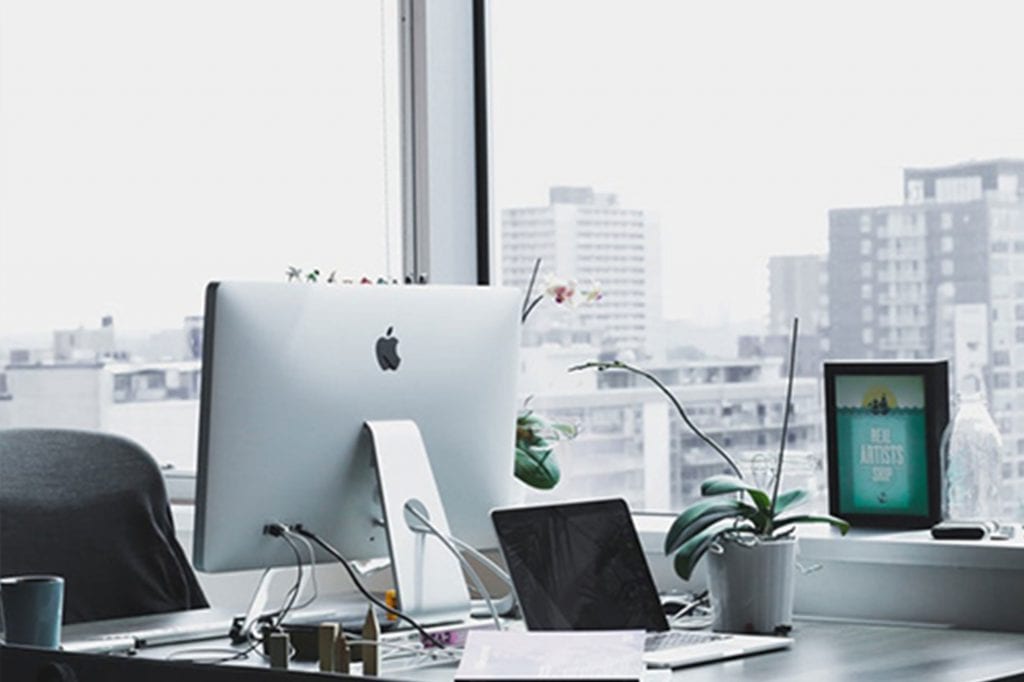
<point>151,147</point>
<point>701,139</point>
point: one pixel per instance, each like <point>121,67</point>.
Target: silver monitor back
<point>290,373</point>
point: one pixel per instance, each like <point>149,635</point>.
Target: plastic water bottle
<point>972,458</point>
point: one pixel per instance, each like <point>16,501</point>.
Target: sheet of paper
<point>590,655</point>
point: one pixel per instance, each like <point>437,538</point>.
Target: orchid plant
<point>536,436</point>
<point>756,515</point>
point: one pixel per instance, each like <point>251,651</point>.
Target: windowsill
<point>911,548</point>
<point>894,576</point>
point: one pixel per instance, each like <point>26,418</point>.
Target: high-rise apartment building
<point>797,288</point>
<point>586,235</point>
<point>940,275</point>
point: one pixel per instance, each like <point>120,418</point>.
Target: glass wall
<point>721,168</point>
<point>148,148</point>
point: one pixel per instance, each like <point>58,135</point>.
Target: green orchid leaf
<point>842,525</point>
<point>724,484</point>
<point>693,549</point>
<point>537,467</point>
<point>790,499</point>
<point>701,515</point>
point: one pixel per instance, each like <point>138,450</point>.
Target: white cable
<point>482,558</point>
<point>411,648</point>
<point>252,614</point>
<point>465,564</point>
<point>312,567</point>
<point>506,604</point>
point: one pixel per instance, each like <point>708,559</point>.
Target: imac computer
<point>293,371</point>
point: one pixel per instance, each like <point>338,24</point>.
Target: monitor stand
<point>431,588</point>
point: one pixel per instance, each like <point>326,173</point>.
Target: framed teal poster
<point>885,423</point>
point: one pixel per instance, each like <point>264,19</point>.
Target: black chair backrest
<point>92,507</point>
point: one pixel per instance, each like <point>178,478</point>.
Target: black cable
<point>359,584</point>
<point>280,614</point>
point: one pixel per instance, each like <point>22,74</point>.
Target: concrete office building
<point>156,404</point>
<point>586,235</point>
<point>85,344</point>
<point>797,288</point>
<point>86,381</point>
<point>632,443</point>
<point>940,275</point>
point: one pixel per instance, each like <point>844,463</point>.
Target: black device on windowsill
<point>962,530</point>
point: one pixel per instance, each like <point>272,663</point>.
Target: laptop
<point>580,566</point>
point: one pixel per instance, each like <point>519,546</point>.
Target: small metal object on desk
<point>278,649</point>
<point>371,652</point>
<point>342,655</point>
<point>326,634</point>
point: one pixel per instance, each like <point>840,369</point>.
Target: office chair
<point>92,507</point>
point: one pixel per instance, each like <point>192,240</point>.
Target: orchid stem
<point>529,305</point>
<point>785,421</point>
<point>601,366</point>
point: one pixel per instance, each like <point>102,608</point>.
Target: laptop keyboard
<point>658,641</point>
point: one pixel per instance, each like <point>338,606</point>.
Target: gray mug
<point>32,607</point>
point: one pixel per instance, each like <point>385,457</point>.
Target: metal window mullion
<point>415,159</point>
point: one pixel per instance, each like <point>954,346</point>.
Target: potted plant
<point>746,531</point>
<point>536,435</point>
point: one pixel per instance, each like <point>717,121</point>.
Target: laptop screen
<point>579,566</point>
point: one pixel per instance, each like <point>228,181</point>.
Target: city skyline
<point>900,281</point>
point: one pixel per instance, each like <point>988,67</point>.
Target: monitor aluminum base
<point>429,579</point>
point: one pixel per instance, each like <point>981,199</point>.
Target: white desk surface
<point>823,651</point>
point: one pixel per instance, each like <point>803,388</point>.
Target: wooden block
<point>326,634</point>
<point>371,652</point>
<point>278,646</point>
<point>342,655</point>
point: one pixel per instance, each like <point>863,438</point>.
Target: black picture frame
<point>858,489</point>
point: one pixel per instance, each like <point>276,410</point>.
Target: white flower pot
<point>752,586</point>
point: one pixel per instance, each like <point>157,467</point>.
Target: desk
<point>825,651</point>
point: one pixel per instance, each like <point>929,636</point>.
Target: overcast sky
<point>741,123</point>
<point>149,147</point>
<point>146,147</point>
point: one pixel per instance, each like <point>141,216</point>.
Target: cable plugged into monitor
<point>275,529</point>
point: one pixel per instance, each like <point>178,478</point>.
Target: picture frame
<point>884,424</point>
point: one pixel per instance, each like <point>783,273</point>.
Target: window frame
<point>445,154</point>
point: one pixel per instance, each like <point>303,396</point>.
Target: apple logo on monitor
<point>387,351</point>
